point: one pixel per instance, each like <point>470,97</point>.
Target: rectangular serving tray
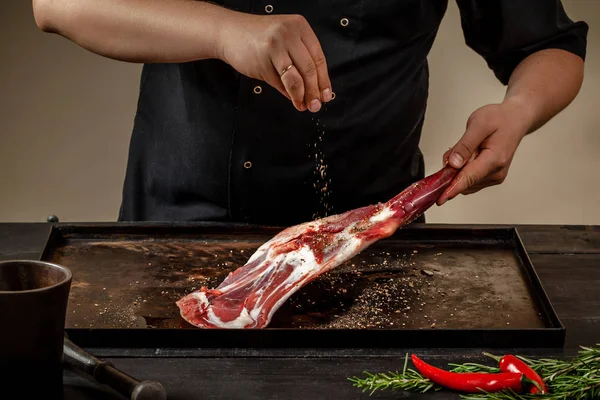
<point>425,286</point>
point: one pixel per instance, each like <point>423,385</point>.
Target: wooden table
<point>567,259</point>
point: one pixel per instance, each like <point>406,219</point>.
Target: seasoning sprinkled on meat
<point>251,294</point>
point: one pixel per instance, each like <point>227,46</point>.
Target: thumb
<point>465,149</point>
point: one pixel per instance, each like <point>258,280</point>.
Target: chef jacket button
<point>247,165</point>
<point>257,90</point>
<point>269,8</point>
<point>344,22</point>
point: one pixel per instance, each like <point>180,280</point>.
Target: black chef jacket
<point>211,144</point>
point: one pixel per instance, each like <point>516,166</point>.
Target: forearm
<point>137,30</point>
<point>544,84</point>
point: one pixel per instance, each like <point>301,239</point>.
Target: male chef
<point>277,111</point>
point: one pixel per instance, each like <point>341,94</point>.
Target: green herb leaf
<point>575,379</point>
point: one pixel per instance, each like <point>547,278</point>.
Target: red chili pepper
<point>510,363</point>
<point>470,382</point>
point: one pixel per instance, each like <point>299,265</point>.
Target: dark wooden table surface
<point>567,259</point>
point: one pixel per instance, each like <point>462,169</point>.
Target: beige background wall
<point>66,117</point>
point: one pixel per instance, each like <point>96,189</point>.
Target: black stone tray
<point>425,286</point>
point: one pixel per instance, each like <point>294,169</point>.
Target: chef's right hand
<point>264,46</point>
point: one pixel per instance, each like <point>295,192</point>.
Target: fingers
<point>471,175</point>
<point>307,81</point>
<point>447,155</point>
<point>478,129</point>
<point>316,52</point>
<point>274,80</point>
<point>486,182</point>
<point>292,81</point>
<point>305,64</point>
<point>473,189</point>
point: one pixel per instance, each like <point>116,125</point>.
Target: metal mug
<point>33,306</point>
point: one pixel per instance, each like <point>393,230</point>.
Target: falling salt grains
<point>322,184</point>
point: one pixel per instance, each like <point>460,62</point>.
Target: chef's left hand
<point>486,149</point>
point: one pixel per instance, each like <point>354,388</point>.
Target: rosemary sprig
<point>575,379</point>
<point>473,367</point>
<point>549,369</point>
<point>579,390</point>
<point>409,380</point>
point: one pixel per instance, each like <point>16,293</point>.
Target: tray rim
<point>555,334</point>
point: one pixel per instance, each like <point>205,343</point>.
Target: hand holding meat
<point>281,50</point>
<point>486,149</point>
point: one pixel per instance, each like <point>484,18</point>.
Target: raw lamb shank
<point>249,296</point>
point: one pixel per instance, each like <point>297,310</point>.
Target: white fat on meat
<point>382,215</point>
<point>239,323</point>
<point>305,266</point>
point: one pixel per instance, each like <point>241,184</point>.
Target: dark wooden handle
<point>78,360</point>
